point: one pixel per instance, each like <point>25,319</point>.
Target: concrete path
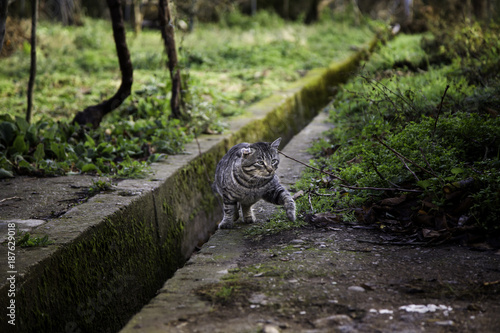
<point>333,279</point>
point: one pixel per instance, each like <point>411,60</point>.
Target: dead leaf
<point>393,201</point>
<point>429,204</point>
<point>422,219</point>
<point>427,233</point>
<point>322,220</point>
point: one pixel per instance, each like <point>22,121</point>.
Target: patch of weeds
<point>27,240</point>
<point>227,292</point>
<point>277,223</point>
<point>100,186</point>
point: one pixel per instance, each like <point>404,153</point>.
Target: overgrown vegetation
<point>227,66</point>
<point>416,142</point>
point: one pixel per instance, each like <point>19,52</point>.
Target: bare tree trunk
<point>254,7</point>
<point>167,33</point>
<point>3,20</point>
<point>94,114</point>
<point>192,14</point>
<point>31,83</point>
<point>312,14</point>
<point>136,16</point>
<point>286,9</point>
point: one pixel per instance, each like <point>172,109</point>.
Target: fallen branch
<point>491,283</point>
<point>11,198</point>
<point>348,186</point>
<point>408,168</point>
<point>310,202</point>
<point>381,188</point>
<point>311,167</point>
<point>381,176</point>
<point>403,243</point>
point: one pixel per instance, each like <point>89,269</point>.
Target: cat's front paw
<point>226,224</point>
<point>290,210</point>
<point>249,219</point>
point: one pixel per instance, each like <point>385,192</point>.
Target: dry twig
<point>311,167</point>
<point>348,186</point>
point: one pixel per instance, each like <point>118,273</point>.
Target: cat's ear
<point>276,143</point>
<point>246,152</point>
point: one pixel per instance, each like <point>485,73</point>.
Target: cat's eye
<point>260,163</point>
<point>275,162</point>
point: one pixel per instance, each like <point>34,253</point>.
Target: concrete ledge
<point>112,253</point>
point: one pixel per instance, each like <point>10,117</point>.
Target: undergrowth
<point>416,147</point>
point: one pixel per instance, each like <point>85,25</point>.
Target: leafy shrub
<point>136,134</point>
<point>388,113</point>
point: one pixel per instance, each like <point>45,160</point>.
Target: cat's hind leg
<point>230,215</point>
<point>247,211</point>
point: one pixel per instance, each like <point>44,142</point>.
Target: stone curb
<point>178,300</point>
<point>112,253</point>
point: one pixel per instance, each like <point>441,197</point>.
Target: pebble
<point>270,329</point>
<point>258,299</point>
<point>356,288</point>
<point>335,320</point>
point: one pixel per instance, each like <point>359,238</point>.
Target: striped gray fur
<point>246,174</point>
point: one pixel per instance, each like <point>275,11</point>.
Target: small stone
<point>258,299</point>
<point>335,320</point>
<point>270,329</point>
<point>356,288</point>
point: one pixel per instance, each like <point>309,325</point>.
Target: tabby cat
<point>246,174</point>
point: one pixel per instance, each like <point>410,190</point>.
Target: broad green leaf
<point>7,132</point>
<point>22,124</point>
<point>456,171</point>
<point>5,173</point>
<point>424,183</point>
<point>58,149</point>
<point>90,142</point>
<point>89,167</point>
<point>19,144</point>
<point>39,152</point>
<point>22,163</point>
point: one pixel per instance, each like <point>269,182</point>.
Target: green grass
<point>227,67</point>
<point>77,66</point>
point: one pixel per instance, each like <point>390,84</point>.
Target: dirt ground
<point>342,280</point>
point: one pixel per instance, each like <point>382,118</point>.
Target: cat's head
<point>261,159</point>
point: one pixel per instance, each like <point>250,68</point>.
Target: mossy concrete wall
<point>114,252</point>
